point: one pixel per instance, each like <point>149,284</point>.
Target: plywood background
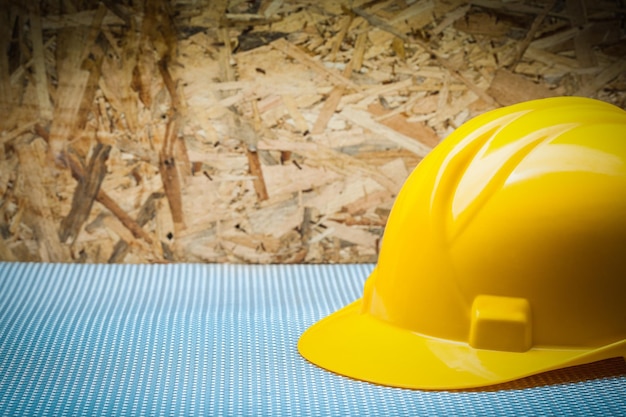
<point>259,131</point>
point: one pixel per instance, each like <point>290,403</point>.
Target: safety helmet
<point>504,256</point>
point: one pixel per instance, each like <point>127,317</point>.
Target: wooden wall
<point>258,131</point>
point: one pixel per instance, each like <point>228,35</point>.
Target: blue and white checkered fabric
<point>194,340</point>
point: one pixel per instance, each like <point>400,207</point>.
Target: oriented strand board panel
<point>269,131</point>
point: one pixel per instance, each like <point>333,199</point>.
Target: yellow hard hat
<point>504,256</point>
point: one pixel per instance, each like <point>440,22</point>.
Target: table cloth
<point>220,340</point>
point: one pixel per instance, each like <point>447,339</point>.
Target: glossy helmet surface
<point>504,256</point>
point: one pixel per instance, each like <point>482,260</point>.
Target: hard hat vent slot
<point>501,323</point>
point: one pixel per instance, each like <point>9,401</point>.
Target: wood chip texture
<point>259,131</point>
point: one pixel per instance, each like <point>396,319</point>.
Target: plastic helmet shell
<point>504,256</point>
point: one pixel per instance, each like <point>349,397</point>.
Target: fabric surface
<point>220,340</point>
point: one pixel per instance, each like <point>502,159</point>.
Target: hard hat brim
<point>360,346</point>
